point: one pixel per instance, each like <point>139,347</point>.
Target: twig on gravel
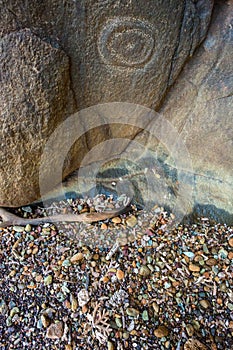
<point>10,219</point>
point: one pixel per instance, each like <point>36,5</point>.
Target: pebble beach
<point>136,281</point>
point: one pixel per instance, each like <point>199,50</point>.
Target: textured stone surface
<point>35,98</point>
<point>119,51</point>
<point>122,52</point>
<point>200,106</point>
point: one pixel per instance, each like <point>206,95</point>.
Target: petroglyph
<point>126,42</point>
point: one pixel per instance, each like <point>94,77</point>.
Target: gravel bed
<point>136,281</point>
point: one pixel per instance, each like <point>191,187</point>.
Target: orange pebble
<point>104,226</point>
<point>105,279</point>
<point>130,290</point>
<point>84,309</point>
<point>120,274</point>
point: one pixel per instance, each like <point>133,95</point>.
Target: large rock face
<point>91,52</point>
<point>200,106</point>
<point>119,50</point>
<point>35,98</point>
<point>80,54</point>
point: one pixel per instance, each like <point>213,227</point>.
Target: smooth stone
<point>144,271</point>
<point>132,312</point>
<point>223,253</point>
<point>189,254</point>
<point>110,345</point>
<point>205,303</point>
<point>76,258</point>
<point>167,285</point>
<point>45,321</point>
<point>66,263</point>
<point>28,228</point>
<point>19,228</point>
<point>14,311</point>
<point>118,322</point>
<point>161,331</point>
<point>131,221</point>
<point>120,274</point>
<point>194,268</point>
<point>156,308</point>
<point>48,280</point>
<point>211,262</point>
<point>74,303</point>
<point>189,330</point>
<point>116,220</point>
<point>230,242</point>
<point>145,316</point>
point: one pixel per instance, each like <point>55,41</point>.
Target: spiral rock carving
<point>126,42</point>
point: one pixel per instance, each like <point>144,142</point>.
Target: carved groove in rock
<point>126,42</point>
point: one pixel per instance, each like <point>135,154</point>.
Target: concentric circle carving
<point>126,42</point>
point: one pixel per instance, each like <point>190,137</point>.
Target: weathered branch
<point>10,219</point>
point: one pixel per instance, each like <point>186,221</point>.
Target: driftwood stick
<point>10,219</point>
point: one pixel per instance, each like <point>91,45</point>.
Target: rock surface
<point>200,106</point>
<point>109,53</point>
<point>199,109</point>
<point>98,63</point>
<point>122,52</point>
<point>35,97</point>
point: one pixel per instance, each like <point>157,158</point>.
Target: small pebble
<point>116,220</point>
<point>118,322</point>
<point>189,254</point>
<point>28,228</point>
<point>145,316</point>
<point>45,321</point>
<point>211,262</point>
<point>161,332</point>
<point>120,274</point>
<point>14,311</point>
<point>156,308</point>
<point>132,312</point>
<point>131,221</point>
<point>74,303</point>
<point>205,304</point>
<point>55,330</point>
<point>144,271</point>
<point>18,228</point>
<point>189,330</point>
<point>230,242</point>
<point>76,258</point>
<point>194,268</point>
<point>104,226</point>
<point>66,263</point>
<point>110,345</point>
<point>48,280</point>
<point>68,347</point>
